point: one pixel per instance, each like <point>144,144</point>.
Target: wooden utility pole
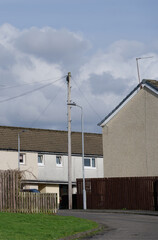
<point>69,140</point>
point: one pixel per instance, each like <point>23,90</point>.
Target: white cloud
<point>54,46</point>
<point>33,55</point>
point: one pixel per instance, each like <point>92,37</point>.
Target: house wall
<point>90,172</point>
<point>50,189</point>
<point>130,138</point>
<point>30,167</point>
<point>50,171</point>
<point>8,160</point>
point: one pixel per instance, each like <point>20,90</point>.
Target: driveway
<point>120,225</point>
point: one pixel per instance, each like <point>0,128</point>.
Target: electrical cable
<point>44,110</point>
<point>31,91</point>
<point>4,87</point>
<point>87,100</point>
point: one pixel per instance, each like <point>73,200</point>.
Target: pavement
<point>145,212</point>
<point>140,212</point>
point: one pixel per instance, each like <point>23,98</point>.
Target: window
<point>93,162</point>
<point>40,159</point>
<point>22,158</point>
<point>58,161</point>
<point>89,162</point>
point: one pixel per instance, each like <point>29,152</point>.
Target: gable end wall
<point>130,138</point>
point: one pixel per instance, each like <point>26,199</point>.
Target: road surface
<point>121,226</point>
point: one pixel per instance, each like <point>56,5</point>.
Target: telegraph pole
<point>69,140</point>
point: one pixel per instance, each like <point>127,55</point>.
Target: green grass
<point>16,226</point>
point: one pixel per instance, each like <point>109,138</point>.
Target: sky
<point>98,41</point>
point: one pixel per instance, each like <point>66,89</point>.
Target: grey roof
<point>52,141</point>
<point>151,83</point>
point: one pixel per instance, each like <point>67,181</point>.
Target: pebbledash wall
<point>130,134</point>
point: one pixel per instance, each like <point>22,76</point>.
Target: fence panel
<point>37,202</point>
<point>135,193</point>
<point>12,200</point>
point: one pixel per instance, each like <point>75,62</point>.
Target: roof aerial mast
<point>138,66</point>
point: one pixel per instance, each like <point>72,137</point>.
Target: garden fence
<point>12,200</point>
<point>134,193</point>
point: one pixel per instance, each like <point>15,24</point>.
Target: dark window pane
<point>58,160</point>
<point>87,162</point>
<point>40,158</point>
<point>93,162</point>
<point>21,158</point>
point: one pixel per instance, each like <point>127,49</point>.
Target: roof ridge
<point>46,130</point>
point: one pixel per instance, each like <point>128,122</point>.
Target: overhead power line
<point>44,110</point>
<point>87,100</point>
<point>4,87</point>
<point>31,91</point>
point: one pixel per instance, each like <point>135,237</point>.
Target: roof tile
<point>41,140</point>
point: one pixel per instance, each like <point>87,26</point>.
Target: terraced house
<point>43,157</point>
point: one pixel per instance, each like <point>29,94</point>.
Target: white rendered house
<point>44,158</point>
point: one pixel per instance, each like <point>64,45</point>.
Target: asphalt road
<point>121,226</point>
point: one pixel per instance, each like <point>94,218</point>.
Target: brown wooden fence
<point>137,193</point>
<point>12,200</point>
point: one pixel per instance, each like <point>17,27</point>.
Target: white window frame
<point>23,158</point>
<point>42,163</point>
<point>61,161</point>
<point>91,163</point>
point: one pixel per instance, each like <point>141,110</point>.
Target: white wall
<point>8,160</point>
<point>90,172</point>
<point>30,166</point>
<point>50,171</point>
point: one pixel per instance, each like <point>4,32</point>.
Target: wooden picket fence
<point>37,202</point>
<point>12,200</point>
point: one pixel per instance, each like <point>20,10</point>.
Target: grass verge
<point>16,226</point>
